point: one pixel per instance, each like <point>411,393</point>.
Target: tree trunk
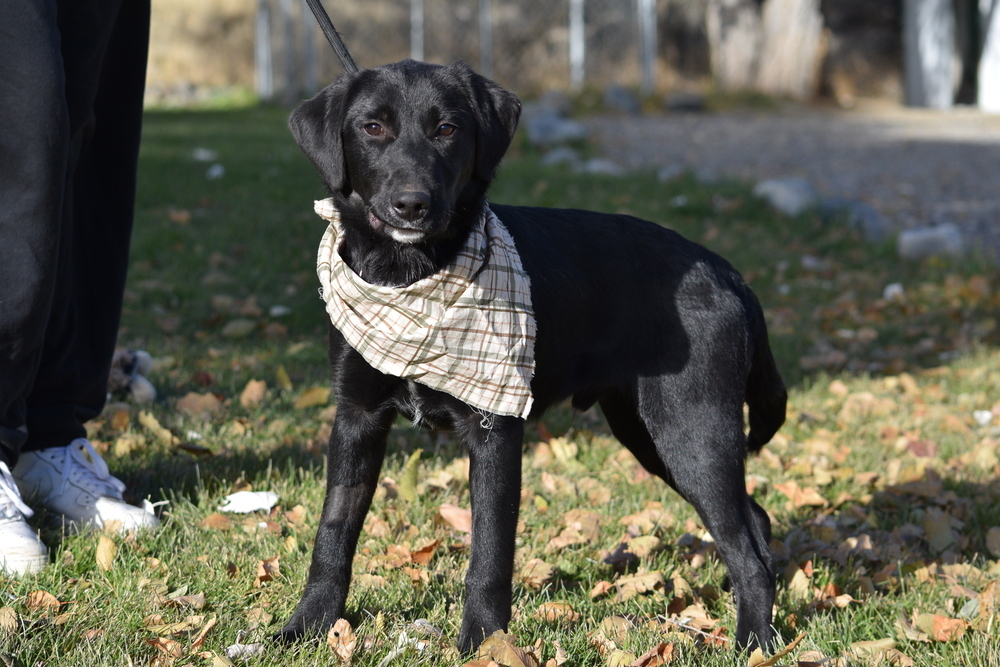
<point>793,48</point>
<point>734,37</point>
<point>929,53</point>
<point>989,62</point>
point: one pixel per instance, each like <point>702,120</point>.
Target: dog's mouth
<point>398,233</point>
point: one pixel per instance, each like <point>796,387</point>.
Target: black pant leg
<point>71,383</point>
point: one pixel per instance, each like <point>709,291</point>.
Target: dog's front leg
<point>495,483</point>
<point>354,459</point>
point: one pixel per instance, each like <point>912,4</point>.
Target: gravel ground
<point>916,167</point>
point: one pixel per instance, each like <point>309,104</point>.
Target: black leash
<point>332,36</point>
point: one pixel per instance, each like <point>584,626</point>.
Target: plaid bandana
<point>468,330</point>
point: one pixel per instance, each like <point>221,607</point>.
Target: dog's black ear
<point>316,125</point>
<point>497,112</point>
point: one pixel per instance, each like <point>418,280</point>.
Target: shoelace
<point>94,467</point>
<point>8,487</point>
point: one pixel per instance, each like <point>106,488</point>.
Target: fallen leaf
<point>341,640</point>
<point>106,552</point>
<point>601,588</point>
<point>253,394</point>
<point>941,628</point>
<point>501,648</point>
<point>267,570</point>
<point>872,648</point>
<point>993,541</point>
<point>536,573</point>
<point>312,397</point>
<point>200,637</point>
<point>9,622</point>
<point>639,583</point>
<point>240,327</point>
<point>661,654</point>
<point>937,527</point>
<point>552,612</point>
<point>199,405</point>
<point>167,646</point>
<point>258,618</point>
<point>408,484</point>
<point>195,601</point>
<point>644,545</point>
<point>281,376</point>
<point>423,554</point>
<point>773,660</point>
<point>216,521</point>
<point>458,518</point>
<point>153,425</point>
<point>799,497</point>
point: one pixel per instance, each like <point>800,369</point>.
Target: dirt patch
<point>916,167</point>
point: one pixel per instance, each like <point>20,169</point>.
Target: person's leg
<point>105,83</point>
<point>104,47</point>
<point>34,145</point>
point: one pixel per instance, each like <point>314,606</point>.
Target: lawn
<point>882,485</point>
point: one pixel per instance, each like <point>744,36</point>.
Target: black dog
<point>661,332</point>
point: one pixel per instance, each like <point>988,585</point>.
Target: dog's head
<point>408,143</point>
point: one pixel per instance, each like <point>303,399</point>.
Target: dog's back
<point>617,298</point>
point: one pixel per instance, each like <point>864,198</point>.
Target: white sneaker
<point>65,481</point>
<point>21,552</point>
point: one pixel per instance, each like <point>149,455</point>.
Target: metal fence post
<point>577,44</point>
<point>647,31</point>
<point>486,38</point>
<point>262,52</point>
<point>417,29</point>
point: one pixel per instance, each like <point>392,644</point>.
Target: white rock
<point>791,196</point>
<point>942,240</point>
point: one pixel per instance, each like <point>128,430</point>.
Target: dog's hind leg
<point>494,444</point>
<point>354,459</point>
<point>620,409</point>
<point>701,442</point>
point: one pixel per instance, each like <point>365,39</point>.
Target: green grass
<point>907,380</point>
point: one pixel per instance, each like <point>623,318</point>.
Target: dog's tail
<point>766,395</point>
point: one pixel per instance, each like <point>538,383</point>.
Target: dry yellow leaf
<point>993,541</point>
<point>342,640</point>
<point>9,622</point>
<point>312,397</point>
<point>106,552</point>
<point>281,376</point>
<point>536,573</point>
<point>153,425</point>
<point>267,570</point>
<point>458,518</point>
<point>552,612</point>
<point>217,521</point>
<point>197,405</point>
<point>253,394</point>
<point>501,648</point>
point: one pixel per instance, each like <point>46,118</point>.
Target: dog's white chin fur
<point>404,235</point>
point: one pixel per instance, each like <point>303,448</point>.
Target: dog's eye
<point>374,129</point>
<point>446,130</point>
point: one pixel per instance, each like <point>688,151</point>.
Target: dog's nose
<point>411,205</point>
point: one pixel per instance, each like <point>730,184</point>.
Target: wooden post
<point>792,49</point>
<point>734,33</point>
